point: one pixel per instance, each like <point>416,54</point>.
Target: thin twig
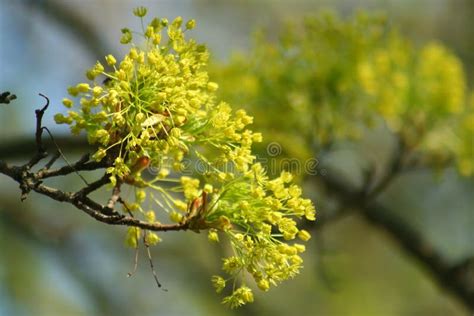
<point>150,259</point>
<point>94,186</point>
<point>53,159</point>
<point>81,165</point>
<point>115,196</point>
<point>63,156</point>
<point>40,150</point>
<point>125,206</point>
<point>135,264</point>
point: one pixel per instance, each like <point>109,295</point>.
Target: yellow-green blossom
<point>157,111</point>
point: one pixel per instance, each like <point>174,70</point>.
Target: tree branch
<point>28,182</point>
<point>32,181</point>
<point>447,275</point>
<point>6,97</point>
<point>40,150</point>
<point>455,279</point>
<point>395,166</point>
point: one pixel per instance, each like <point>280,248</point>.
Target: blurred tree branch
<point>454,278</point>
<point>6,97</point>
<point>457,279</point>
<point>23,147</point>
<point>68,19</point>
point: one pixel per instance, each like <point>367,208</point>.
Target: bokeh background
<point>54,260</point>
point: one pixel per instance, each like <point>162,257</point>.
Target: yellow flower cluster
<point>158,103</point>
<point>327,79</point>
<point>305,84</point>
<point>382,75</point>
<point>422,94</point>
<point>261,214</point>
<point>157,109</point>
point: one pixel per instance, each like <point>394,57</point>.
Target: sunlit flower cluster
<point>156,109</point>
<point>157,103</point>
<point>258,216</point>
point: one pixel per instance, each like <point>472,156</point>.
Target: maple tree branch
<point>33,181</point>
<point>457,279</point>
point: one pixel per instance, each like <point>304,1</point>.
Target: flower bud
<point>263,285</point>
<point>191,24</point>
<point>140,12</point>
<point>212,86</point>
<point>67,103</point>
<point>304,235</point>
<point>176,217</point>
<point>177,21</point>
<point>126,36</point>
<point>110,59</point>
<point>213,236</point>
<point>152,238</point>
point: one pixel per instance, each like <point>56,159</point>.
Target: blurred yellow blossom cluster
<point>421,94</point>
<point>307,80</point>
<point>156,108</point>
<point>327,79</point>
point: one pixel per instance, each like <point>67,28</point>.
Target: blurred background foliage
<point>57,261</point>
<point>327,79</point>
